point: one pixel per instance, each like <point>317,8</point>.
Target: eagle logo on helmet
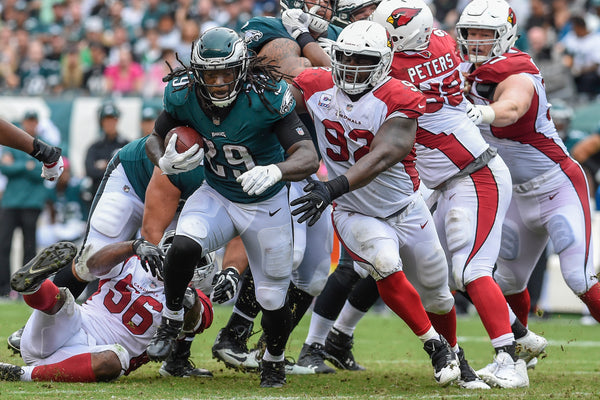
<point>402,16</point>
<point>512,18</point>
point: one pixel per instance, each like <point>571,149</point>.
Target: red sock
<point>399,295</point>
<point>520,304</point>
<point>445,324</point>
<point>45,298</point>
<point>74,369</point>
<point>591,298</point>
<point>491,306</point>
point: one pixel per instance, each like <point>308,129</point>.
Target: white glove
<point>325,44</point>
<point>259,178</point>
<point>54,170</point>
<point>295,21</point>
<point>480,114</point>
<point>173,162</point>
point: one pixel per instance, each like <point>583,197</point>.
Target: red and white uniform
<point>550,192</point>
<point>386,223</point>
<point>125,311</point>
<point>472,200</point>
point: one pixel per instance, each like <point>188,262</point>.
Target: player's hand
<point>54,170</point>
<point>173,162</point>
<point>258,179</point>
<point>312,204</point>
<point>295,21</point>
<point>225,285</point>
<point>151,257</point>
<point>325,44</point>
<point>480,114</point>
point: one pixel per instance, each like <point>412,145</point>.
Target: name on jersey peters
<point>432,68</point>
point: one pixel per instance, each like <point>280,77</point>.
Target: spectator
<point>149,115</point>
<point>94,82</point>
<point>190,30</point>
<point>153,83</point>
<point>169,33</point>
<point>22,202</point>
<point>37,74</point>
<point>125,77</point>
<point>72,77</point>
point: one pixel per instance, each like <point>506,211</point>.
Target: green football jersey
<point>235,144</point>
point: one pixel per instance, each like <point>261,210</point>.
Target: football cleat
<point>338,350</point>
<point>313,357</point>
<point>505,372</point>
<point>163,341</point>
<point>468,377</point>
<point>11,373</point>
<point>183,368</point>
<point>42,266</point>
<point>530,346</point>
<point>14,341</point>
<point>443,359</point>
<point>272,374</point>
<point>291,368</point>
<point>231,348</point>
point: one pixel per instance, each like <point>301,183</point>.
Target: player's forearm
<point>14,137</point>
<point>110,255</point>
<point>301,163</point>
<point>155,148</point>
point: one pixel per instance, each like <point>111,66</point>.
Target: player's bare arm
<point>394,141</point>
<point>102,261</point>
<point>512,99</point>
<point>287,55</point>
<point>162,199</point>
<point>155,148</point>
<point>300,106</point>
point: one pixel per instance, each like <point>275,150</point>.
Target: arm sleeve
<point>164,123</point>
<point>290,129</point>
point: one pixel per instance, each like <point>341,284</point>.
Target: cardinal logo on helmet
<point>512,18</point>
<point>402,16</point>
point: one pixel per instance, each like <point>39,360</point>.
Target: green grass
<point>397,367</point>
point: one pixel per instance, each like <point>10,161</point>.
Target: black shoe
<point>443,359</point>
<point>47,262</point>
<point>231,347</point>
<point>14,341</point>
<point>338,350</point>
<point>182,368</point>
<point>163,341</point>
<point>468,377</point>
<point>272,374</point>
<point>313,357</point>
<point>9,372</point>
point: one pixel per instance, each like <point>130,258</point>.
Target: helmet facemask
<point>320,14</point>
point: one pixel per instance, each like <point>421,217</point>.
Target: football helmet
<point>364,41</point>
<point>409,23</point>
<point>219,49</point>
<point>318,22</point>
<point>346,10</point>
<point>108,109</point>
<point>495,15</point>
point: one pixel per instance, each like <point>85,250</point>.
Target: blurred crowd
<point>97,47</point>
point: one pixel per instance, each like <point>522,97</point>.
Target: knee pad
<point>184,252</point>
<point>111,215</point>
<point>121,353</point>
<point>277,253</point>
<point>509,245</point>
<point>432,266</point>
<point>459,228</point>
<point>270,298</point>
<point>560,232</point>
<point>386,263</point>
<point>346,274</point>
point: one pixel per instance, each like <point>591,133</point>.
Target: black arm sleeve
<point>290,130</point>
<point>164,123</point>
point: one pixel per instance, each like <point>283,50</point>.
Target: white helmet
<point>495,15</point>
<point>317,23</point>
<point>346,10</point>
<point>409,23</point>
<point>362,39</point>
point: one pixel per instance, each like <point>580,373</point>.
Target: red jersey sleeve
<point>313,80</point>
<point>511,63</point>
<point>403,97</point>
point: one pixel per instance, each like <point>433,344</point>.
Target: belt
<point>474,166</point>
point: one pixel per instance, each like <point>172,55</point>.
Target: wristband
<point>304,38</point>
<point>488,115</point>
<point>338,186</point>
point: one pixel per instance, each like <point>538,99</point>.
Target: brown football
<point>186,138</point>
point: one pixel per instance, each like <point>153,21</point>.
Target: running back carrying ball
<point>186,138</point>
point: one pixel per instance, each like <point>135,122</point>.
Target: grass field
<point>397,367</point>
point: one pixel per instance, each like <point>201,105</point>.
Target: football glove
<point>173,162</point>
<point>225,285</point>
<point>325,44</point>
<point>151,257</point>
<point>312,204</point>
<point>54,170</point>
<point>258,179</point>
<point>44,152</point>
<point>480,114</point>
<point>295,22</point>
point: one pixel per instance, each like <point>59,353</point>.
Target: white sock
<point>319,329</point>
<point>348,319</point>
<point>269,357</point>
<point>430,334</point>
<point>176,315</point>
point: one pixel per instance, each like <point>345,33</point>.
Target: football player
<point>245,113</point>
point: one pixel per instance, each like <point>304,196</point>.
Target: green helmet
<point>318,23</point>
<point>219,49</point>
<point>346,10</point>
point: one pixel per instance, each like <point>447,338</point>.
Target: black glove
<point>320,195</point>
<point>44,152</point>
<point>151,256</point>
<point>225,285</point>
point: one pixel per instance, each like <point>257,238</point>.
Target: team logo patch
<point>349,107</point>
<point>252,36</point>
<point>300,131</point>
<point>324,101</point>
<point>287,104</point>
<point>512,18</point>
<point>402,16</point>
<point>217,134</point>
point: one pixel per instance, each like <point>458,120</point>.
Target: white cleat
<point>504,372</point>
<point>530,346</point>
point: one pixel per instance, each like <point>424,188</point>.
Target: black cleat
<point>183,368</point>
<point>338,350</point>
<point>14,341</point>
<point>163,341</point>
<point>443,359</point>
<point>11,373</point>
<point>313,357</point>
<point>47,262</point>
<point>231,347</point>
<point>468,377</point>
<point>272,374</point>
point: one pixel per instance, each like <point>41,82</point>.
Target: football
<point>186,138</point>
